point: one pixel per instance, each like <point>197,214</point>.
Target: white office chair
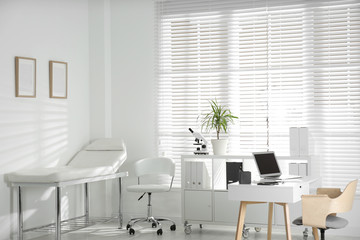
<point>152,167</point>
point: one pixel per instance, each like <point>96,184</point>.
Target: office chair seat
<point>332,222</point>
<point>154,188</point>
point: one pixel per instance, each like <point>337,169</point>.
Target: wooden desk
<point>282,194</point>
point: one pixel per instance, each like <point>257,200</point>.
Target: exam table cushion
<point>86,159</point>
<point>57,174</point>
<point>85,164</point>
<point>106,144</point>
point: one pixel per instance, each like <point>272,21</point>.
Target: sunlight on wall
<point>33,133</point>
<point>38,128</point>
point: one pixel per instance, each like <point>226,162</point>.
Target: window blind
<point>276,64</point>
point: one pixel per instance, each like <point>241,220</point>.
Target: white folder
<point>188,183</point>
<point>303,169</point>
<point>193,174</point>
<point>294,141</point>
<point>294,169</point>
<point>303,141</point>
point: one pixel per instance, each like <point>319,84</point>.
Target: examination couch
<point>98,161</point>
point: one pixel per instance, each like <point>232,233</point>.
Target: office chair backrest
<point>345,201</point>
<point>155,166</point>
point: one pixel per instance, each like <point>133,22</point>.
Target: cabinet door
<point>225,210</point>
<point>197,205</point>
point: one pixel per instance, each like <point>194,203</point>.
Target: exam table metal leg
<point>20,216</point>
<point>120,209</point>
<point>58,213</point>
<point>86,203</point>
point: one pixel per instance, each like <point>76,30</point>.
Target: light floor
<point>109,231</point>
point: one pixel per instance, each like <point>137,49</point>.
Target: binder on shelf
<point>299,141</point>
<point>196,175</point>
<point>303,169</point>
<point>303,141</point>
<point>188,182</point>
<point>294,141</point>
<point>199,175</point>
<point>193,174</point>
<point>202,176</point>
<point>293,169</point>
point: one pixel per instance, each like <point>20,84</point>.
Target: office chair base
<point>155,223</point>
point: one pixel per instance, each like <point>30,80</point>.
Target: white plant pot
<point>219,146</point>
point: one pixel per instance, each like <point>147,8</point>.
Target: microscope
<point>201,142</point>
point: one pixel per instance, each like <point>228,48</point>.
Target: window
<point>276,64</point>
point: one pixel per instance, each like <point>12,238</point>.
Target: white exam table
<point>98,161</point>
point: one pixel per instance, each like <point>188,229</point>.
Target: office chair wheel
<point>257,229</point>
<point>245,233</point>
<point>132,231</point>
<point>173,227</point>
<point>159,231</point>
<point>187,229</point>
<point>305,234</point>
<point>128,226</point>
<point>153,225</point>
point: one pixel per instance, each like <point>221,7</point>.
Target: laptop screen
<point>267,164</point>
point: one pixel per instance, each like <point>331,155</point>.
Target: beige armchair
<point>319,211</point>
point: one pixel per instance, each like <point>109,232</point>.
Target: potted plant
<point>218,119</point>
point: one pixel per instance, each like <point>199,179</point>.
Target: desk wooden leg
<point>241,221</point>
<point>315,233</point>
<point>270,214</point>
<point>287,221</point>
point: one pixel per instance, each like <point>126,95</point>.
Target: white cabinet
<point>205,198</point>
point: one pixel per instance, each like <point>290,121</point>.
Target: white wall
<point>133,81</point>
<point>134,96</point>
<point>100,68</point>
<point>41,131</point>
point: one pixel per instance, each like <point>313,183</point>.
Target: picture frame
<point>58,79</point>
<point>25,77</point>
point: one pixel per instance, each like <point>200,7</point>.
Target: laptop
<point>268,166</point>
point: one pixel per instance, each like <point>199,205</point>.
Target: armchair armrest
<point>331,192</point>
<point>315,209</point>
